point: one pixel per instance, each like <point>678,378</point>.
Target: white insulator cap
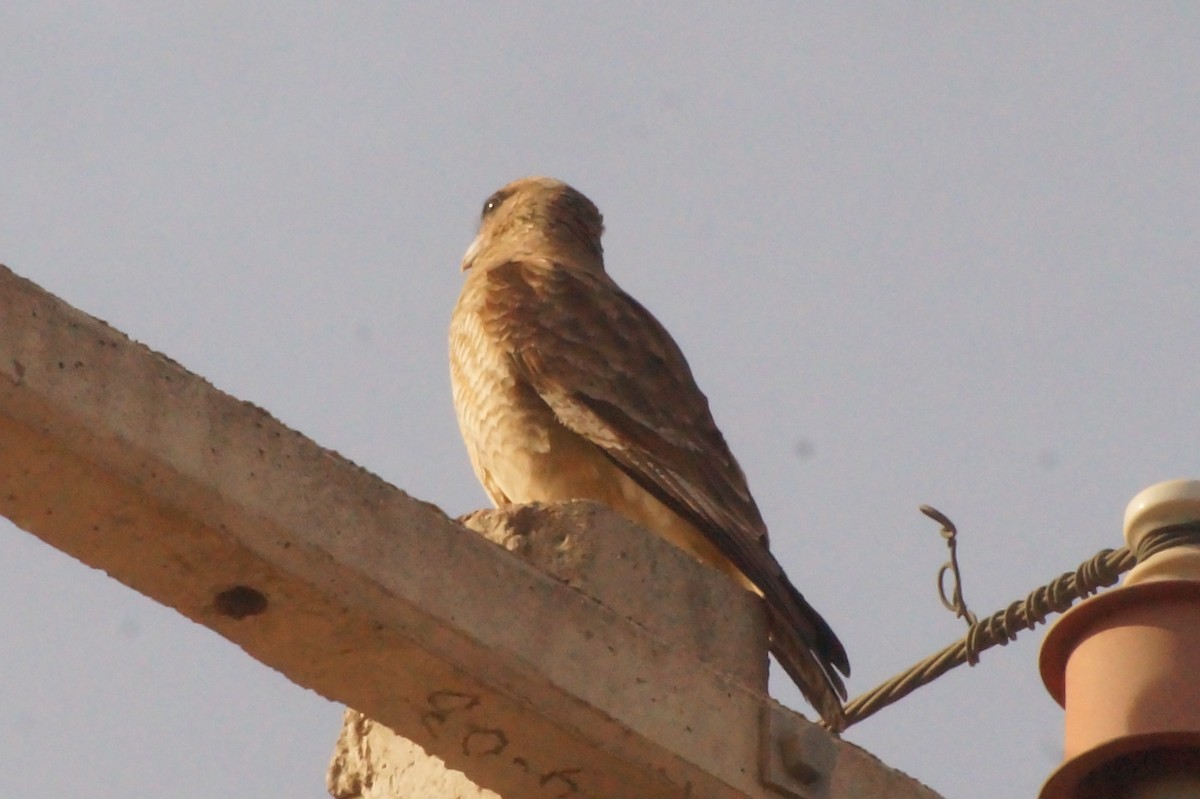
<point>1163,505</point>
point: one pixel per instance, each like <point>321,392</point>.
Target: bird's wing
<point>612,374</point>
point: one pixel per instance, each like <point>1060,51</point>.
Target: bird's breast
<point>505,425</point>
<point>519,449</point>
<point>521,452</point>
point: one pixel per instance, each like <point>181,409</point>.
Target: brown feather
<point>609,373</point>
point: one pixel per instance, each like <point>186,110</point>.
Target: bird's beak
<point>469,256</point>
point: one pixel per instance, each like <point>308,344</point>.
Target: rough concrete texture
<point>651,686</point>
<point>372,762</point>
<point>669,595</point>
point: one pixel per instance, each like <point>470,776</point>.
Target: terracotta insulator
<point>1125,666</point>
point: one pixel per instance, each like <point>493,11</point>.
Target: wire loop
<point>1100,571</point>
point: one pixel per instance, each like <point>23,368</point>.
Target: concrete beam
<point>634,672</point>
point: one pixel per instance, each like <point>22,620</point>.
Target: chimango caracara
<point>567,388</point>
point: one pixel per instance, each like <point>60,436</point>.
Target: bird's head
<point>534,216</point>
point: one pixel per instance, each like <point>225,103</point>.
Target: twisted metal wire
<point>1100,571</point>
<point>955,603</point>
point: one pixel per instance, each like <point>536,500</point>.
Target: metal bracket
<point>797,758</point>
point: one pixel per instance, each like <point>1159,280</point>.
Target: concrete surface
<point>631,671</point>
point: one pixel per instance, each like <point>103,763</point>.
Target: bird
<point>566,388</point>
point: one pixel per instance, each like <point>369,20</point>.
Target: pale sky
<point>916,253</point>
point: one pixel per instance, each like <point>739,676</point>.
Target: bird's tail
<point>811,654</point>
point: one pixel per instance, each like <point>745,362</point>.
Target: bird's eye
<point>493,202</point>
